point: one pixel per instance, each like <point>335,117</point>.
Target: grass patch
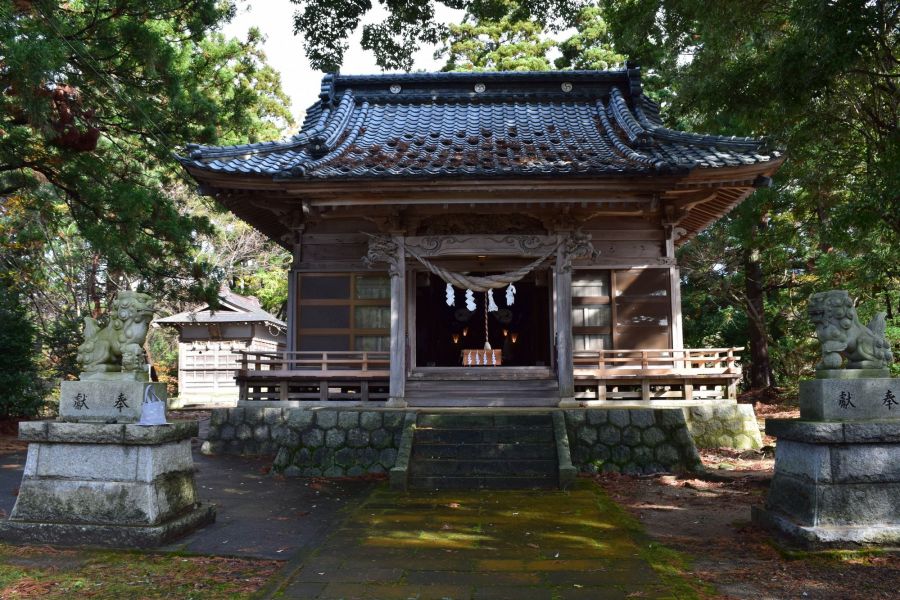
<point>45,572</point>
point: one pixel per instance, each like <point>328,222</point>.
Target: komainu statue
<point>841,334</point>
<point>119,346</point>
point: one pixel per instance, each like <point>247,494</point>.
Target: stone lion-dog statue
<point>842,335</point>
<point>117,350</point>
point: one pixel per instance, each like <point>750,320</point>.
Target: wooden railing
<point>690,361</point>
<point>651,374</point>
<point>658,374</point>
<point>313,375</point>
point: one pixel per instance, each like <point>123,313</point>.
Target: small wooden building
<point>567,184</point>
<point>210,345</point>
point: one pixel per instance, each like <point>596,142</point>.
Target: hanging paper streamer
<point>451,296</point>
<point>469,359</point>
<point>492,306</point>
<point>493,359</point>
<point>477,358</point>
<point>470,300</point>
<point>510,294</point>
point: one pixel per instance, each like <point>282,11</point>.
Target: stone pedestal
<point>837,468</point>
<point>113,485</point>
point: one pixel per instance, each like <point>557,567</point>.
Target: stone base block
<point>106,484</point>
<point>850,399</point>
<point>828,536</point>
<point>107,536</point>
<point>723,425</point>
<point>835,483</point>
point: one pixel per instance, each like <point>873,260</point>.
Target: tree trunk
<point>760,366</point>
<point>760,376</point>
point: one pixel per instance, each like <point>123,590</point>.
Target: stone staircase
<point>464,391</point>
<point>485,450</point>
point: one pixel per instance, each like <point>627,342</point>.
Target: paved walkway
<point>519,545</point>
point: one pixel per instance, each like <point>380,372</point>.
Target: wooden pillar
<point>291,312</point>
<point>389,249</point>
<point>397,393</point>
<point>293,291</point>
<point>565,365</point>
<point>675,296</point>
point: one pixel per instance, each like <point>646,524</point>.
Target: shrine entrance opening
<point>520,332</point>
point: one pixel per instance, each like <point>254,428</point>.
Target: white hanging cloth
<point>470,300</point>
<point>451,295</point>
<point>469,359</point>
<point>492,306</point>
<point>510,294</point>
<point>477,358</point>
<point>493,359</point>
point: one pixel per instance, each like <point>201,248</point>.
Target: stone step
<point>511,451</point>
<point>483,436</point>
<point>455,421</point>
<point>487,483</point>
<point>482,401</point>
<point>479,468</point>
<point>476,386</point>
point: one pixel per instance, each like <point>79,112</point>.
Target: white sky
<point>275,18</point>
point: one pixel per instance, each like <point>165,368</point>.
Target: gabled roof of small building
<point>233,308</point>
<point>480,125</point>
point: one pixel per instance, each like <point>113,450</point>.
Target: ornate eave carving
<point>577,245</point>
<point>383,249</point>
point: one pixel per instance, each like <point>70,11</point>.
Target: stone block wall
<point>320,442</point>
<point>632,441</point>
<point>721,425</point>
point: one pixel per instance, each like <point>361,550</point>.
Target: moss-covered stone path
<point>520,545</point>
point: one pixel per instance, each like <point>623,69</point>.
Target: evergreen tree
<point>21,392</point>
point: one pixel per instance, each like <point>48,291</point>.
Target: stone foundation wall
<point>721,425</point>
<point>335,442</point>
<point>310,442</point>
<point>630,441</point>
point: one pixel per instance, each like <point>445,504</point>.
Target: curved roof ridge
<point>322,142</point>
<point>664,133</point>
<point>200,152</point>
<point>626,120</point>
<point>623,148</point>
<point>353,131</point>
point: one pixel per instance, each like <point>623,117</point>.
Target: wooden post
<point>645,389</point>
<point>397,394</point>
<point>675,307</point>
<point>283,391</point>
<point>364,390</point>
<point>565,365</point>
<point>323,390</point>
<point>688,389</point>
<point>731,390</point>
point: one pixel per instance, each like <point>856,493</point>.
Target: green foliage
<point>162,353</point>
<point>325,25</point>
<point>484,42</point>
<point>820,78</point>
<point>20,388</point>
<point>98,95</point>
<point>591,47</point>
<point>501,45</point>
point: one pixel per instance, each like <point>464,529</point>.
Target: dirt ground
<point>708,518</point>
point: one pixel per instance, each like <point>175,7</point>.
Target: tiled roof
<point>494,124</point>
<point>234,309</point>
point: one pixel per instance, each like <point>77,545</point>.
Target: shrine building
<point>496,239</point>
